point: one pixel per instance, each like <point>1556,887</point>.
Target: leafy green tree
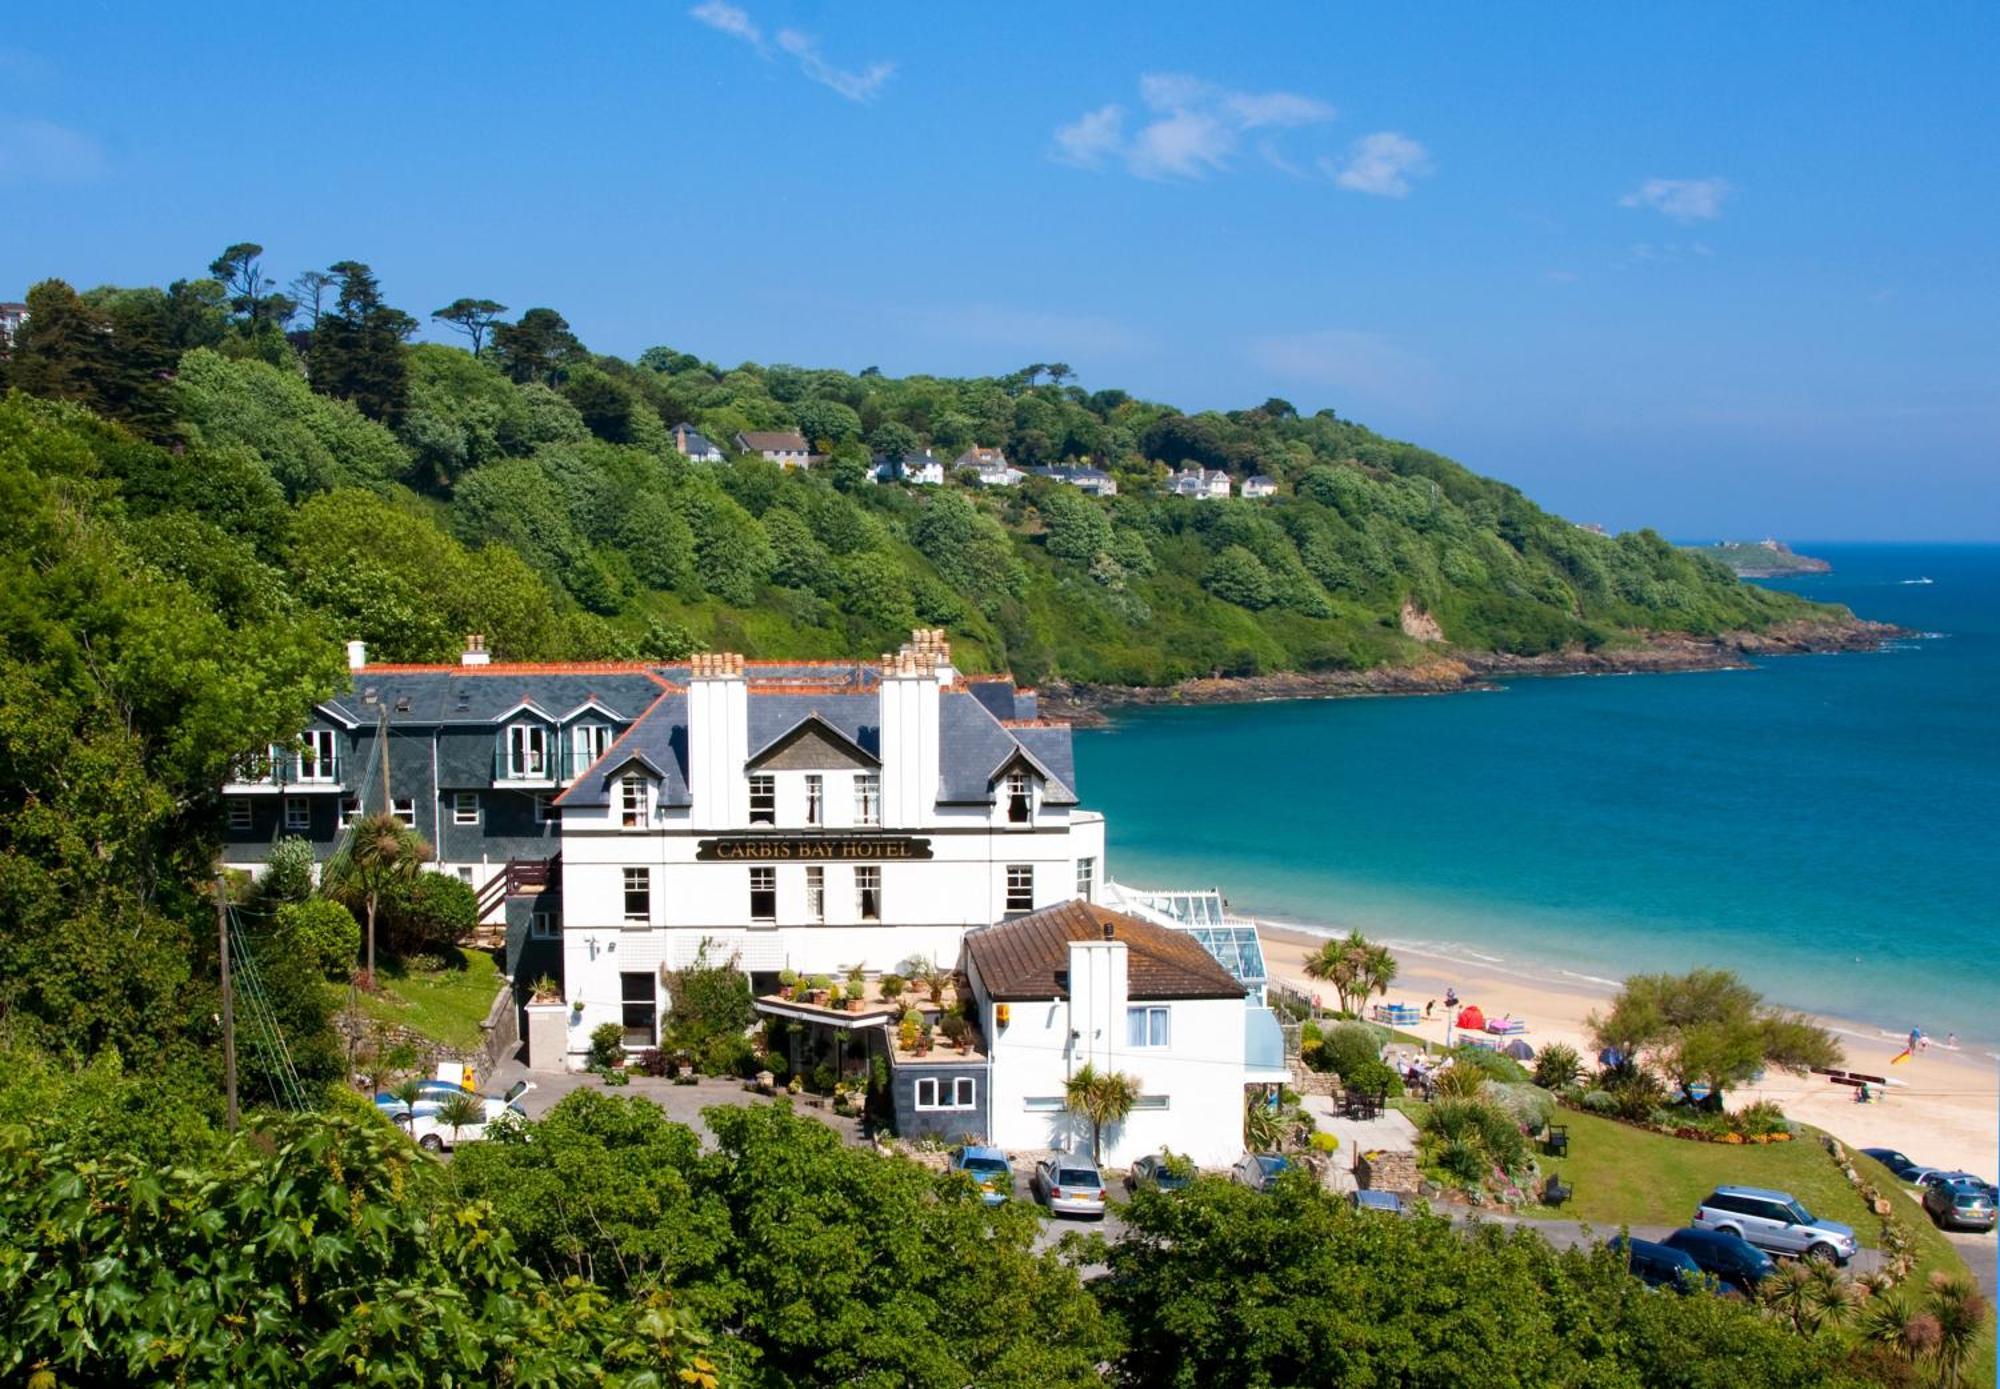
<point>539,347</point>
<point>893,439</point>
<point>1078,528</point>
<point>70,349</point>
<point>514,503</point>
<point>658,541</point>
<point>309,443</point>
<point>1708,1027</point>
<point>1101,1098</point>
<point>473,317</point>
<point>1217,1284</point>
<point>357,347</point>
<point>1237,576</point>
<point>827,422</point>
<point>799,560</point>
<point>322,932</point>
<point>297,1253</point>
<point>429,912</point>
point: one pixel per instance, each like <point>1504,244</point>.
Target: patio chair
<point>1555,1191</point>
<point>1557,1142</point>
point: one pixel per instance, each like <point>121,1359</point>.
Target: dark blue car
<point>1657,1266</point>
<point>1736,1264</point>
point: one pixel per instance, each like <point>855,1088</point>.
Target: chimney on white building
<point>1098,989</point>
<point>908,695</point>
<point>718,741</point>
<point>475,650</point>
<point>357,655</point>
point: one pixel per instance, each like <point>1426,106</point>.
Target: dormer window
<point>527,752</point>
<point>634,801</point>
<point>587,743</point>
<point>1020,799</point>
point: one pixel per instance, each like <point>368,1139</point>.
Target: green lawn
<point>445,1004</point>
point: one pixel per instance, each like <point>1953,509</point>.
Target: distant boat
<point>1925,580</point>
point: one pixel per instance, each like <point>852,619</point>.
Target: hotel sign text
<point>809,849</point>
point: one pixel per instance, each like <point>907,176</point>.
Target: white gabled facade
<point>1181,1031</point>
<point>810,825</point>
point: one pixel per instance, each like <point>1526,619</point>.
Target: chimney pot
<point>475,650</point>
<point>1107,930</point>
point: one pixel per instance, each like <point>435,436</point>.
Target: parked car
<point>1731,1260</point>
<point>427,1126</point>
<point>1774,1221</point>
<point>1657,1266</point>
<point>1260,1171</point>
<point>1070,1186</point>
<point>1899,1166</point>
<point>1959,1200</point>
<point>989,1169</point>
<point>435,1091</point>
<point>1389,1201</point>
<point>1160,1172</point>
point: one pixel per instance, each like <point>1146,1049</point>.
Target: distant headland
<point>1761,559</point>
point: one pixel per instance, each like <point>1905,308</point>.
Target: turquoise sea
<point>1826,825</point>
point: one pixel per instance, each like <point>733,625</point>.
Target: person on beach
<point>1951,1041</point>
<point>1450,999</point>
<point>1428,1005</point>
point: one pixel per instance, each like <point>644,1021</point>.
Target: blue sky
<point>1718,269</point>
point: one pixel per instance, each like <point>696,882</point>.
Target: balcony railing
<point>294,771</point>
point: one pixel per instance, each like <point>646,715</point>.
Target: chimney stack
<point>357,655</point>
<point>475,650</point>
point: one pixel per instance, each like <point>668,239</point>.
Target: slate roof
<point>658,741</point>
<point>486,694</point>
<point>1028,958</point>
<point>692,441</point>
<point>974,748</point>
<point>855,717</point>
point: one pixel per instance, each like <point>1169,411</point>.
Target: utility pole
<point>228,998</point>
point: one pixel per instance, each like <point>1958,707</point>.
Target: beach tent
<point>1471,1019</point>
<point>1519,1050</point>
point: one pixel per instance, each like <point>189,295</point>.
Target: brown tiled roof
<point>1028,957</point>
<point>777,442</point>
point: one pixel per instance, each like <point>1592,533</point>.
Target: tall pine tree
<point>357,349</point>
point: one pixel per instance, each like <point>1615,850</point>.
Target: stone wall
<point>1388,1172</point>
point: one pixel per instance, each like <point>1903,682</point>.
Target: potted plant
<point>545,990</point>
<point>835,996</point>
<point>924,1038</point>
<point>958,1031</point>
<point>857,980</point>
<point>788,982</point>
<point>892,986</point>
<point>817,990</point>
<point>907,1032</point>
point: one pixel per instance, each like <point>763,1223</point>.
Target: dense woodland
<point>320,465</point>
<point>204,487</point>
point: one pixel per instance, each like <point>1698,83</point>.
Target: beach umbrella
<point>1520,1050</point>
<point>1611,1057</point>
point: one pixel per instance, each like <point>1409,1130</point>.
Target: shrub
<point>1557,1066</point>
<point>607,1044</point>
<point>288,872</point>
<point>1373,1078</point>
<point>822,1079</point>
<point>1531,1106</point>
<point>322,932</point>
<point>1497,1067</point>
<point>429,912</point>
<point>1458,1081</point>
<point>1636,1094</point>
<point>893,986</point>
<point>956,1029</point>
<point>1599,1102</point>
<point>1461,1159</point>
<point>650,1062</point>
<point>1348,1046</point>
<point>1325,1142</point>
<point>1762,1117</point>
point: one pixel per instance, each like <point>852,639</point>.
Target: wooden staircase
<point>518,877</point>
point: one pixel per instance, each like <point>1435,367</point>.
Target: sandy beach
<point>1946,1112</point>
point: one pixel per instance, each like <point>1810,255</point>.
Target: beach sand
<point>1946,1113</point>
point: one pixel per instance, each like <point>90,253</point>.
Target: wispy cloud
<point>1685,200</point>
<point>38,151</point>
<point>1190,128</point>
<point>1381,164</point>
<point>1365,366</point>
<point>735,21</point>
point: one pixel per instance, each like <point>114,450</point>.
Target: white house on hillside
<point>1260,486</point>
<point>785,447</point>
<point>924,469</point>
<point>694,446</point>
<point>1199,482</point>
<point>1079,984</point>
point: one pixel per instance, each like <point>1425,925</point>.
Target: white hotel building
<point>816,819</point>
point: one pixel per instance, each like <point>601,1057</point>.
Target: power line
<point>266,1034</point>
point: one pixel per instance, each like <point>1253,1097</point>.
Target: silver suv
<point>1774,1221</point>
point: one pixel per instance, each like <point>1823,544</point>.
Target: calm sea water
<point>1823,824</point>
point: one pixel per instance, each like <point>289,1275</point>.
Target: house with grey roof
<point>1259,485</point>
<point>1200,483</point>
<point>689,441</point>
<point>1095,481</point>
<point>923,468</point>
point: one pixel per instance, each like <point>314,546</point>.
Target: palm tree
<point>383,852</point>
<point>409,1090</point>
<point>1102,1097</point>
<point>1891,1321</point>
<point>1787,1295</point>
<point>1356,967</point>
<point>1263,1130</point>
<point>1833,1298</point>
<point>1959,1310</point>
<point>461,1109</point>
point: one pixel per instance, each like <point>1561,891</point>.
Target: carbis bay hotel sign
<point>815,848</point>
